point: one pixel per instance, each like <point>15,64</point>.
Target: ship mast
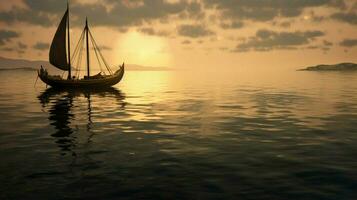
<point>87,45</point>
<point>69,46</point>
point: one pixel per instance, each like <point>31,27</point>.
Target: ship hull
<point>102,82</point>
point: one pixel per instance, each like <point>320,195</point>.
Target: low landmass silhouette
<point>23,64</point>
<point>336,67</point>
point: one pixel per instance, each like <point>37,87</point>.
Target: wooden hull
<point>105,81</point>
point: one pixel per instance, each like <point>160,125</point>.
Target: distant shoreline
<point>18,69</point>
<point>34,69</point>
<point>22,64</point>
<point>336,67</point>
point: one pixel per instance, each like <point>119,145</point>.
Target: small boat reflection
<point>60,104</point>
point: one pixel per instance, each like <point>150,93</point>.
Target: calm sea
<point>181,135</point>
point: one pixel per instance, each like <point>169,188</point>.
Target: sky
<point>186,34</point>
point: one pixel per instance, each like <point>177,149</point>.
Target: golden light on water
<point>143,87</point>
<point>134,47</point>
<point>141,83</point>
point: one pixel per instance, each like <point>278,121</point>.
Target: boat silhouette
<point>59,52</point>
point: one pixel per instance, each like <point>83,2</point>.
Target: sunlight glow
<point>136,48</point>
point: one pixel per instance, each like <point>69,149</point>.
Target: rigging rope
<point>96,54</point>
<point>100,53</point>
<point>78,62</point>
<point>78,55</point>
<point>75,53</point>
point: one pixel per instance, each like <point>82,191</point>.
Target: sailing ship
<point>58,57</point>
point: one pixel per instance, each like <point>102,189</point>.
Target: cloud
<point>50,6</point>
<point>232,25</point>
<point>38,12</point>
<point>327,43</point>
<point>18,47</point>
<point>22,45</point>
<point>186,42</point>
<point>266,40</point>
<point>350,18</point>
<point>195,19</point>
<point>7,49</point>
<point>348,42</point>
<point>104,48</point>
<point>134,13</point>
<point>124,13</point>
<point>7,35</point>
<point>193,10</point>
<point>325,46</point>
<point>151,31</point>
<point>194,31</point>
<point>285,24</point>
<point>41,46</point>
<point>121,13</point>
<point>265,10</point>
<point>312,47</point>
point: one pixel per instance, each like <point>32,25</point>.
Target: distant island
<point>336,67</point>
<point>22,64</point>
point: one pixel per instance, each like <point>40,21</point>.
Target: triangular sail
<point>58,52</point>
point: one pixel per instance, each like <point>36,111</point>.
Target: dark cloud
<point>194,31</point>
<point>194,11</point>
<point>266,40</point>
<point>327,43</point>
<point>41,46</point>
<point>21,45</point>
<point>6,35</point>
<point>152,31</point>
<point>186,42</point>
<point>349,42</point>
<point>145,14</point>
<point>312,47</point>
<point>354,6</point>
<point>39,12</point>
<point>318,19</point>
<point>350,18</point>
<point>325,49</point>
<point>232,25</point>
<point>105,48</point>
<point>265,10</point>
<point>285,24</point>
<point>7,49</point>
<point>49,6</point>
<point>325,46</point>
<point>18,47</point>
<point>121,13</point>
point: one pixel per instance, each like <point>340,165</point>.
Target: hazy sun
<point>136,48</point>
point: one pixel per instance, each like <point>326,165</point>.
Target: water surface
<point>181,135</point>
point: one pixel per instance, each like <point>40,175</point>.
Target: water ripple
<point>164,139</point>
